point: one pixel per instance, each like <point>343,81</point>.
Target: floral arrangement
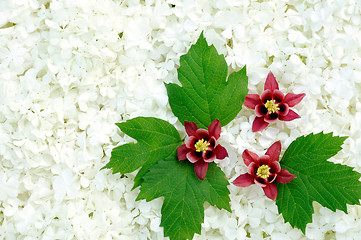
<point>70,69</point>
<point>207,98</point>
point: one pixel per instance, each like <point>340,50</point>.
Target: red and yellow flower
<point>272,104</point>
<point>264,171</point>
<point>201,147</point>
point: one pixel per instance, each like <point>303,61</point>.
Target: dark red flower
<point>272,105</point>
<point>264,171</point>
<point>201,147</point>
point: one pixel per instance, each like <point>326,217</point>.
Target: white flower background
<point>71,69</point>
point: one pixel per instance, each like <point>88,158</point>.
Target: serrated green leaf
<point>184,195</point>
<point>156,139</point>
<point>205,94</point>
<point>331,185</point>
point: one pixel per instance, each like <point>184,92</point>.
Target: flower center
<point>263,171</point>
<point>271,106</point>
<point>201,145</point>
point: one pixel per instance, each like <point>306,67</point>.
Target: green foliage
<point>182,211</point>
<point>156,139</point>
<point>205,94</point>
<point>331,185</point>
<point>184,195</point>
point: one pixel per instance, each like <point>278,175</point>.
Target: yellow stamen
<point>201,146</point>
<point>271,106</point>
<point>263,171</point>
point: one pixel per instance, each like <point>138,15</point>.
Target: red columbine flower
<point>272,104</point>
<point>264,171</point>
<point>201,147</point>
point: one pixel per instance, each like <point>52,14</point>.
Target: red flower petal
<point>259,124</point>
<point>271,118</point>
<point>202,134</point>
<point>284,176</point>
<point>220,152</point>
<point>274,151</point>
<point>212,141</point>
<point>284,109</point>
<point>182,152</point>
<point>209,156</point>
<point>192,156</point>
<point>266,95</point>
<point>190,127</point>
<point>275,167</point>
<point>200,169</point>
<point>293,99</point>
<point>263,160</point>
<point>192,140</point>
<point>272,178</point>
<point>252,100</point>
<point>271,82</point>
<point>249,157</point>
<point>278,96</point>
<point>260,110</point>
<point>260,181</point>
<point>290,116</point>
<point>214,129</point>
<point>271,191</point>
<point>244,180</point>
<point>252,168</point>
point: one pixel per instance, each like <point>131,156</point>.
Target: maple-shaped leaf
<point>205,94</point>
<point>184,195</point>
<point>331,185</point>
<point>156,139</point>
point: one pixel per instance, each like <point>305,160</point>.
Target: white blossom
<point>70,70</point>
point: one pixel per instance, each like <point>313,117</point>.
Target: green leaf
<point>184,195</point>
<point>156,139</point>
<point>331,185</point>
<point>205,94</point>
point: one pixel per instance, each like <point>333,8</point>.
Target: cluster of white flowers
<point>70,70</point>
